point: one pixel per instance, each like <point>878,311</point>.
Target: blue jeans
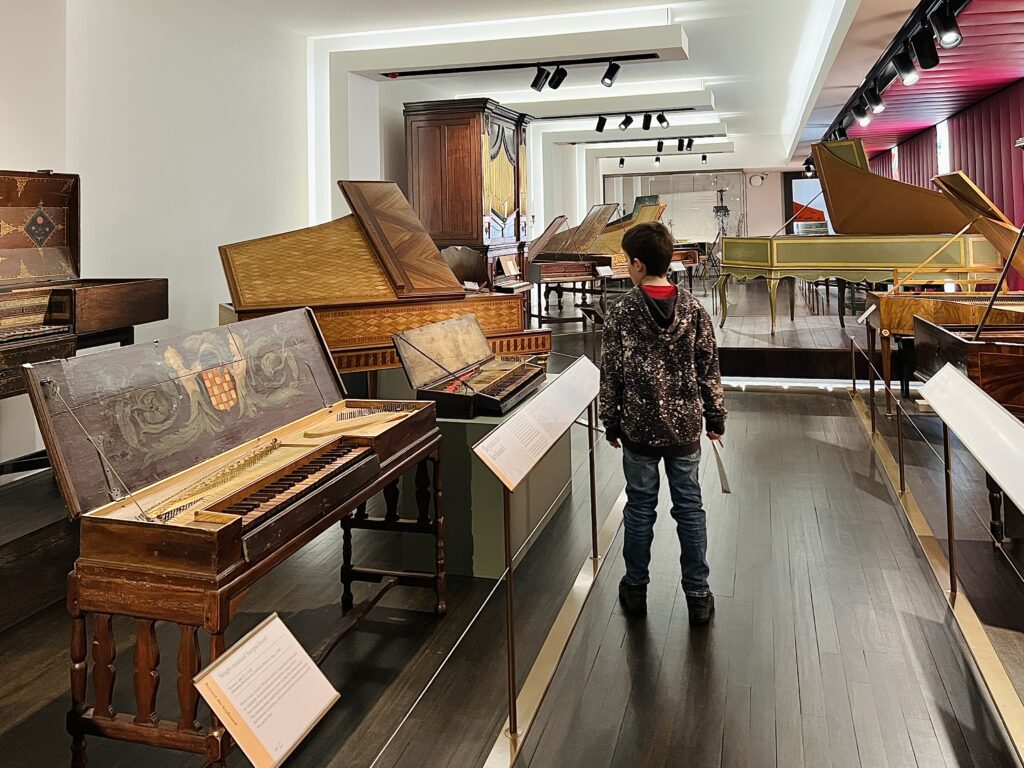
<point>642,482</point>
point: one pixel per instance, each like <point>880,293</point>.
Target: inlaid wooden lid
<point>115,422</point>
<point>39,227</point>
<point>436,351</point>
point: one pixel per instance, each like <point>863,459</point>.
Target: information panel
<point>267,692</point>
<point>512,449</point>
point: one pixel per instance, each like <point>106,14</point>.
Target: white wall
<point>392,98</point>
<point>764,204</point>
<point>187,122</point>
<point>31,137</point>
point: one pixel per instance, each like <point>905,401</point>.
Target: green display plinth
<point>474,544</point>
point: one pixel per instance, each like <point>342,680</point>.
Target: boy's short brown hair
<point>651,244</point>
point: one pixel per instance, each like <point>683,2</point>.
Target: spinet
<point>46,309</point>
<point>450,363</point>
<point>894,310</point>
<point>367,276</point>
<point>197,465</point>
<point>888,230</point>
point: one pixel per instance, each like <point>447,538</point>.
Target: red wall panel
<point>919,159</point>
<point>882,164</point>
<point>981,142</point>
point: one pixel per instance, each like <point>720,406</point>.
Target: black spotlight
<point>924,47</point>
<point>662,120</point>
<point>608,78</point>
<point>558,77</point>
<point>703,159</point>
<point>681,145</point>
<point>943,22</point>
<point>689,145</point>
<point>861,115</point>
<point>841,134</point>
<point>657,159</point>
<point>622,162</point>
<point>874,100</point>
<point>601,122</point>
<point>626,122</point>
<point>809,167</point>
<point>904,64</point>
<point>647,121</point>
<point>661,146</point>
<point>540,79</point>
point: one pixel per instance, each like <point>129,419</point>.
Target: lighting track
<point>585,61</point>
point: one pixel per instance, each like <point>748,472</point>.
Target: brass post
<point>871,375</point>
<point>510,632</point>
<point>591,418</point>
<point>899,449</point>
<point>950,536</point>
<point>853,365</point>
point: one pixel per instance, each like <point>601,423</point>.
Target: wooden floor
<point>831,644</point>
<point>749,323</point>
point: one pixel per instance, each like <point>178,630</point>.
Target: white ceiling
<point>338,17</point>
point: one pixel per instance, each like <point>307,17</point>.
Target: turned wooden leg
<point>995,502</point>
<point>346,565</point>
<point>439,533</point>
<point>723,297</point>
<point>217,732</point>
<point>423,492</point>
<point>104,652</point>
<point>792,298</point>
<point>841,301</point>
<point>773,294</point>
<point>146,679</point>
<point>189,664</point>
<point>391,502</point>
<point>79,687</point>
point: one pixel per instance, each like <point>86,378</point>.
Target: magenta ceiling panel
<point>990,58</point>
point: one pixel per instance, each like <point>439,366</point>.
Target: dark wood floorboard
<point>831,646</point>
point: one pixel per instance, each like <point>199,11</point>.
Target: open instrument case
<point>46,309</point>
<point>452,364</point>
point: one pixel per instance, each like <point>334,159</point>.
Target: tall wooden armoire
<point>467,166</point>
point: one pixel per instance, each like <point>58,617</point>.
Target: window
<point>942,147</point>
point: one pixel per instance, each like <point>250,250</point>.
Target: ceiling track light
<point>689,145</point>
<point>860,114</point>
<point>601,122</point>
<point>608,78</point>
<point>622,162</point>
<point>874,100</point>
<point>662,120</point>
<point>943,22</point>
<point>557,77</point>
<point>904,65</point>
<point>661,146</point>
<point>924,47</point>
<point>681,145</point>
<point>809,169</point>
<point>540,79</point>
<point>647,121</point>
<point>626,122</point>
<point>657,159</point>
<point>703,159</point>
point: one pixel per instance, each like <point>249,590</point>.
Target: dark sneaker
<point>633,597</point>
<point>700,608</point>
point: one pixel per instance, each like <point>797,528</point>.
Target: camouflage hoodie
<point>657,383</point>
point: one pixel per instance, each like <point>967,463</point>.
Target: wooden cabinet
<point>467,161</point>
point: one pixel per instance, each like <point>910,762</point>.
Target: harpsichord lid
<point>117,421</point>
<point>39,227</point>
<point>581,239</point>
<point>436,351</point>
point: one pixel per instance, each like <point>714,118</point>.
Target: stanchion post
<point>510,632</point>
<point>871,376</point>
<point>950,537</point>
<point>853,365</point>
<point>591,425</point>
<point>899,448</point>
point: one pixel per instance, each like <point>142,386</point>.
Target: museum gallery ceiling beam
<point>555,106</point>
<point>665,42</point>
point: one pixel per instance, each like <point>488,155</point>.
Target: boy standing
<point>659,377</point>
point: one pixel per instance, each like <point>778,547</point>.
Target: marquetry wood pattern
<point>331,263</point>
<point>402,244</point>
<point>368,326</point>
<point>22,194</point>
